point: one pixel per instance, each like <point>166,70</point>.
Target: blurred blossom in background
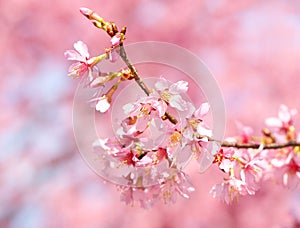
<point>252,47</point>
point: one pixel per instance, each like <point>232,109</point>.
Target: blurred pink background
<point>253,49</point>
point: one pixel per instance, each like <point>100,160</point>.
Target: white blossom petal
<point>177,102</point>
<point>179,87</point>
<point>273,122</point>
<point>203,131</point>
<point>102,105</point>
<point>162,84</point>
<point>202,110</point>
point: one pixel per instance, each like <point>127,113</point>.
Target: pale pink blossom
<point>245,133</point>
<point>177,183</point>
<point>229,190</point>
<point>284,119</point>
<point>287,169</point>
<point>144,106</point>
<point>146,197</point>
<point>225,159</point>
<point>84,62</point>
<point>253,167</point>
<point>202,111</point>
<point>171,93</point>
<point>195,128</point>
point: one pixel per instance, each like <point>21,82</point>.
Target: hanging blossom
<point>284,166</point>
<point>197,135</point>
<point>245,169</point>
<point>177,183</point>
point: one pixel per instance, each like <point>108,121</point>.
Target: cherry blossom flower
<point>146,197</point>
<point>143,115</point>
<point>287,167</point>
<point>284,122</point>
<point>229,190</point>
<point>245,133</point>
<point>171,93</point>
<point>144,106</point>
<point>253,167</point>
<point>177,183</point>
<point>225,159</point>
<point>84,62</point>
<point>196,135</point>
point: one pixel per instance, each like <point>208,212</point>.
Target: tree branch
<point>256,145</point>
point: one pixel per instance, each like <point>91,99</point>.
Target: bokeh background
<point>252,47</point>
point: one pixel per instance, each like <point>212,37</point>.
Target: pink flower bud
<point>85,11</point>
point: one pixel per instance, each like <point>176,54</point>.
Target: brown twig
<point>256,145</point>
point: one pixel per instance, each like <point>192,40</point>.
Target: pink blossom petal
<point>161,107</point>
<point>73,55</point>
<point>77,69</point>
<point>284,114</point>
<point>177,102</point>
<point>82,49</point>
<point>208,155</point>
<point>162,84</point>
<point>202,110</point>
<point>184,185</point>
<point>113,56</point>
<point>191,109</point>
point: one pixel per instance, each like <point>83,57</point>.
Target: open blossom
<point>284,121</point>
<point>84,62</point>
<point>286,167</point>
<point>146,197</point>
<point>171,93</point>
<point>229,190</point>
<point>196,129</point>
<point>144,106</point>
<point>253,168</point>
<point>178,183</point>
<point>144,120</point>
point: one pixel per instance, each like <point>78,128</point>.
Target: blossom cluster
<point>151,147</point>
<point>162,130</point>
<point>250,159</point>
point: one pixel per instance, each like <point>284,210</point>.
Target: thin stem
<point>133,70</point>
<point>138,80</point>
